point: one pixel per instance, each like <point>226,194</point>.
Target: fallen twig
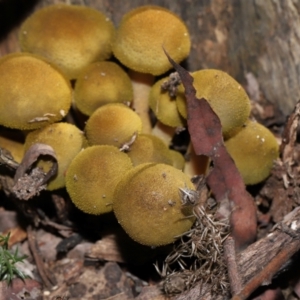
<point>47,279</point>
<point>260,261</point>
<point>230,258</point>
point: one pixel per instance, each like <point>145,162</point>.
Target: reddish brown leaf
<point>224,179</point>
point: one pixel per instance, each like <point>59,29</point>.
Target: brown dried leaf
<point>224,179</point>
<point>28,185</point>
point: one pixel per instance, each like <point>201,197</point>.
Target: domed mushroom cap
<point>33,93</point>
<point>163,106</point>
<point>112,124</point>
<point>11,142</point>
<point>149,148</point>
<point>226,96</point>
<point>142,35</point>
<point>178,160</point>
<point>147,204</point>
<point>69,36</point>
<point>101,83</point>
<point>66,140</point>
<point>93,175</point>
<point>253,149</point>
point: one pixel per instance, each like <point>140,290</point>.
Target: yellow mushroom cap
<point>253,149</point>
<point>101,83</point>
<point>66,140</point>
<point>149,148</point>
<point>12,142</point>
<point>178,160</point>
<point>163,106</point>
<point>147,204</point>
<point>142,35</point>
<point>93,175</point>
<point>112,124</point>
<point>226,96</point>
<point>69,36</point>
<point>33,93</point>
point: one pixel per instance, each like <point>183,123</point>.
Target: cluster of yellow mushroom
<point>116,161</point>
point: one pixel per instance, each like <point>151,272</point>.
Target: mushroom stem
<point>164,132</point>
<point>142,83</point>
<point>195,164</point>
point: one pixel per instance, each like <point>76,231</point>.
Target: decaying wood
<point>259,262</point>
<point>280,192</point>
<point>233,273</point>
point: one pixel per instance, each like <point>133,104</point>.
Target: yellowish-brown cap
<point>178,160</point>
<point>149,148</point>
<point>93,175</point>
<point>142,35</point>
<point>163,106</point>
<point>69,36</point>
<point>226,96</point>
<point>101,83</point>
<point>253,149</point>
<point>66,140</point>
<point>33,92</point>
<point>14,146</point>
<point>112,124</point>
<point>148,205</point>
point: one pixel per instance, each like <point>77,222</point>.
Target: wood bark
<point>258,37</point>
<point>261,261</point>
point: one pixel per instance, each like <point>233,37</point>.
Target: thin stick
<point>233,274</point>
<point>270,270</point>
<point>48,282</point>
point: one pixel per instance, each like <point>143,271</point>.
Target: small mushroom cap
<point>69,36</point>
<point>101,83</point>
<point>112,124</point>
<point>178,160</point>
<point>253,149</point>
<point>11,142</point>
<point>142,35</point>
<point>149,148</point>
<point>148,205</point>
<point>66,140</point>
<point>33,93</point>
<point>93,175</point>
<point>226,96</point>
<point>163,106</point>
